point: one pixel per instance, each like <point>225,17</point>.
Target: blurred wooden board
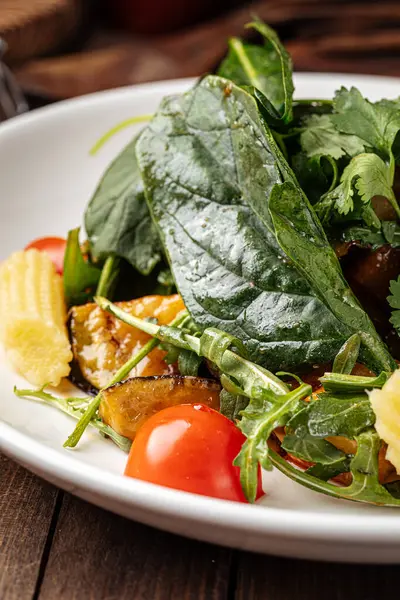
<point>34,27</point>
<point>322,35</point>
<point>26,509</point>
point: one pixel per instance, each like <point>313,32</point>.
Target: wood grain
<point>26,509</point>
<point>268,578</point>
<point>97,555</point>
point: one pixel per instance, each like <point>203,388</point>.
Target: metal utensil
<point>12,101</point>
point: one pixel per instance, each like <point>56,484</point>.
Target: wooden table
<point>56,547</point>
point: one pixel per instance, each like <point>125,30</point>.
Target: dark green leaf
<point>231,405</point>
<point>209,165</point>
<point>363,235</point>
<point>266,68</point>
<point>80,277</point>
<point>394,489</point>
<point>172,353</point>
<point>364,468</point>
<point>321,138</point>
<point>326,472</point>
<point>302,238</point>
<point>332,415</point>
<point>189,363</point>
<point>376,124</point>
<point>394,302</point>
<point>117,219</point>
<point>338,382</point>
<point>391,231</point>
<point>307,447</point>
<point>316,175</point>
<point>347,356</point>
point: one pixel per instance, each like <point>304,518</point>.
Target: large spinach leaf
<point>117,219</point>
<point>266,69</point>
<point>209,166</point>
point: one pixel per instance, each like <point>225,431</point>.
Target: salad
<point>235,305</point>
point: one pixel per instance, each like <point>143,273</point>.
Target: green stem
<point>75,407</point>
<point>248,374</point>
<point>279,140</point>
<point>108,276</point>
<point>341,382</point>
<point>123,372</point>
<point>107,136</point>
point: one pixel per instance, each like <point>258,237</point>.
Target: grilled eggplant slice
<point>125,406</point>
<point>101,344</point>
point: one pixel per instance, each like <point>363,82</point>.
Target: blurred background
<point>63,48</point>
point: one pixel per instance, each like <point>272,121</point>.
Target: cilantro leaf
<point>376,124</point>
<point>394,302</point>
<point>367,176</point>
<point>320,137</point>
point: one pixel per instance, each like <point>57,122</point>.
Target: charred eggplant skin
<point>101,344</point>
<point>127,405</point>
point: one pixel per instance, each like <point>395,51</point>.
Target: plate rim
<point>294,524</point>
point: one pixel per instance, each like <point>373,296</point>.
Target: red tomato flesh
<point>189,447</point>
<point>54,247</point>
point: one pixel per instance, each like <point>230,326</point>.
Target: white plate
<point>46,179</point>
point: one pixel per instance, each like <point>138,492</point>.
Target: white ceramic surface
<point>46,178</point>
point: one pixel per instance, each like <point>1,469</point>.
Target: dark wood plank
<point>26,508</point>
<point>268,578</point>
<point>102,556</point>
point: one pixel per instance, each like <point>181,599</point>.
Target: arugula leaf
<point>394,302</point>
<point>209,165</point>
<point>259,419</point>
<point>321,138</point>
<point>266,68</point>
<point>340,382</point>
<point>189,363</point>
<point>307,447</point>
<point>364,468</point>
<point>231,405</point>
<point>80,277</point>
<point>117,219</point>
<point>391,231</point>
<point>363,235</point>
<point>333,414</point>
<point>326,472</point>
<point>347,356</point>
<point>376,124</point>
<point>367,176</point>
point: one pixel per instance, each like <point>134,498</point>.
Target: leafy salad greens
<point>253,206</point>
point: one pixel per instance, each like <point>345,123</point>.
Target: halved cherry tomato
<point>189,447</point>
<point>54,247</point>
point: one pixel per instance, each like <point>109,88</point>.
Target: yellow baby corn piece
<point>33,316</point>
<point>386,406</point>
